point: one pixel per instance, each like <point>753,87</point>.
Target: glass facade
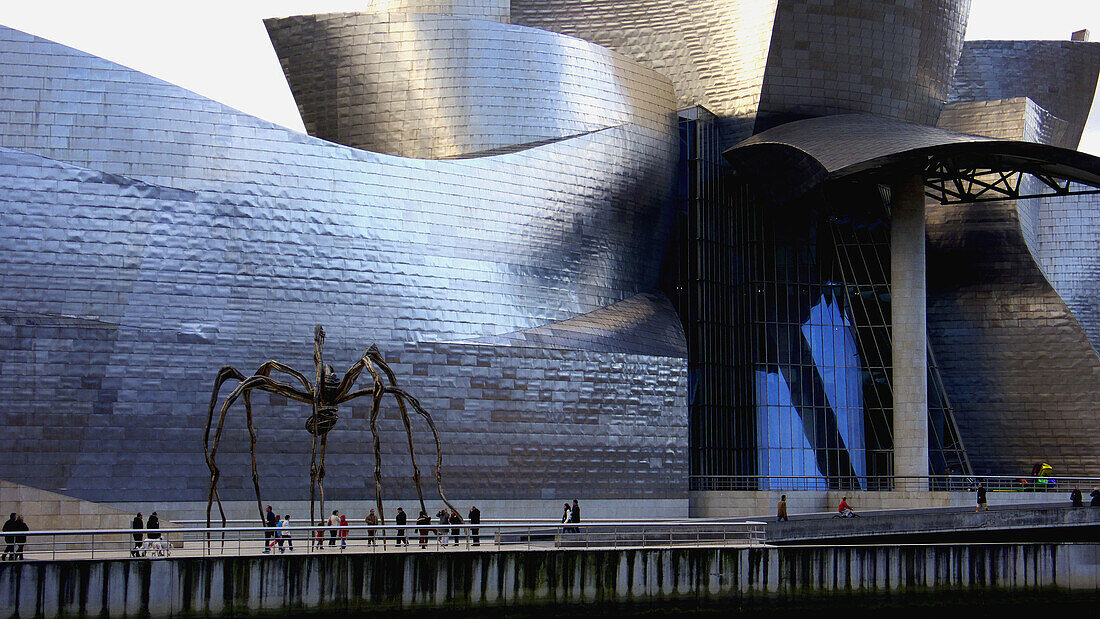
<point>788,320</point>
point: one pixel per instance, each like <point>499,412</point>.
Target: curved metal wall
<point>437,87</point>
<point>890,58</point>
<point>496,10</point>
<point>151,235</point>
<point>1022,376</point>
<point>713,50</point>
<point>1012,284</point>
<point>761,63</point>
<point>1059,76</point>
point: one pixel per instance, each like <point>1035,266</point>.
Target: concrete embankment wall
<point>458,580</point>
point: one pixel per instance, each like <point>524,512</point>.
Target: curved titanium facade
<point>437,87</point>
<point>760,63</point>
<point>893,59</point>
<point>166,235</point>
<point>1022,375</point>
<point>713,50</point>
<point>1059,76</point>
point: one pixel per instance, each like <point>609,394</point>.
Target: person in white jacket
<point>333,522</point>
<point>284,525</point>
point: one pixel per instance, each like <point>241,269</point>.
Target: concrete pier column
<point>909,328</point>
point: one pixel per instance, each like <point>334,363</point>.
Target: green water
<point>937,606</point>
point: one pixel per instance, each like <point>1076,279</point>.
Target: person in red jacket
<point>845,509</point>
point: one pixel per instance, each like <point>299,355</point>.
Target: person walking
<point>333,523</point>
<point>781,510</point>
<point>319,535</point>
<point>981,498</point>
<point>284,526</point>
<point>153,525</point>
<point>9,540</point>
<point>424,519</point>
<point>372,520</point>
<point>270,519</point>
<point>575,516</point>
<point>20,540</point>
<point>565,513</point>
<point>1075,497</point>
<point>344,531</point>
<point>400,521</point>
<point>475,518</point>
<point>137,524</point>
<point>442,533</point>
<point>1095,494</point>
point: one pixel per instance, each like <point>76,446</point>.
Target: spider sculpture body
<point>325,395</point>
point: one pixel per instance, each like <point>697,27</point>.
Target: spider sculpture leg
<point>372,354</point>
<point>399,393</point>
<point>408,432</point>
<point>321,474</point>
<point>376,402</point>
<point>226,373</point>
<point>246,385</point>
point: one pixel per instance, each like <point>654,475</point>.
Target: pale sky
<point>220,49</point>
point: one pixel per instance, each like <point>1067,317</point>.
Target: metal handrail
<point>960,483</point>
<point>255,540</point>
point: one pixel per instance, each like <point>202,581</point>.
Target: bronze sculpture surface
<point>325,395</point>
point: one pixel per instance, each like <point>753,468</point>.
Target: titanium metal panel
<point>1021,373</point>
<point>891,58</point>
<point>151,236</point>
<point>495,10</point>
<point>713,50</point>
<point>437,87</point>
<point>759,63</point>
<point>1059,76</point>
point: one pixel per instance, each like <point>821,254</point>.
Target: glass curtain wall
<point>787,312</point>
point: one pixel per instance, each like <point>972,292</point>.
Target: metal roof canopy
<point>957,168</point>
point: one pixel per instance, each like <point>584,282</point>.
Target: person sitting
<point>845,510</point>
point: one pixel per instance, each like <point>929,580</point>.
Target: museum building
<point>622,251</point>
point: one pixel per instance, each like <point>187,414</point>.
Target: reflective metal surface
<point>1058,76</point>
<point>1013,284</point>
<point>759,63</point>
<point>142,223</point>
<point>438,87</point>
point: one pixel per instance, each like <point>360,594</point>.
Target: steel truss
<point>951,181</point>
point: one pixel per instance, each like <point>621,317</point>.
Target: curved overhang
<point>791,159</point>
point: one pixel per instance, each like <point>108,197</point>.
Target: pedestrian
<point>153,525</point>
<point>575,515</point>
<point>9,540</point>
<point>284,525</point>
<point>343,531</point>
<point>1095,494</point>
<point>442,533</point>
<point>781,510</point>
<point>1075,497</point>
<point>270,519</point>
<point>319,535</point>
<point>981,498</point>
<point>565,514</point>
<point>475,518</point>
<point>456,532</point>
<point>137,524</point>
<point>372,520</point>
<point>424,519</point>
<point>400,520</point>
<point>333,522</point>
<point>20,540</point>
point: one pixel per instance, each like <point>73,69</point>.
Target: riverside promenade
<point>537,570</point>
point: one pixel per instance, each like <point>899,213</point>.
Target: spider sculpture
<point>325,395</point>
